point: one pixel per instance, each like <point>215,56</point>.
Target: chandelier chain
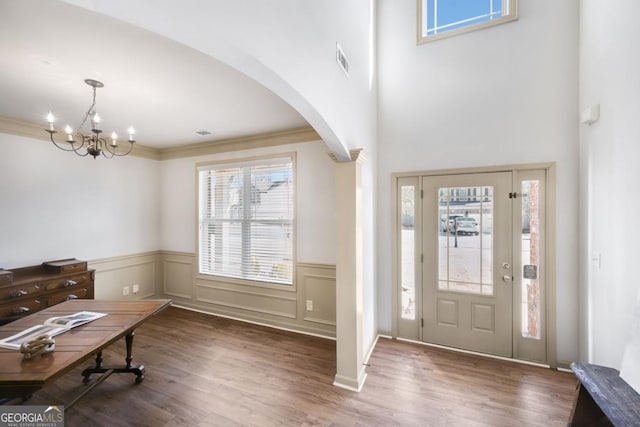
<point>89,111</point>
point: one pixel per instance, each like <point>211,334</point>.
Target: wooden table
<point>21,378</point>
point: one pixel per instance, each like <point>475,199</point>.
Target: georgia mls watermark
<point>31,416</point>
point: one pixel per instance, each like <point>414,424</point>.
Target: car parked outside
<point>466,225</point>
<point>448,225</point>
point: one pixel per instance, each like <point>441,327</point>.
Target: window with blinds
<point>246,219</point>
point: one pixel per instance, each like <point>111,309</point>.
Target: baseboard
<point>564,366</point>
<point>253,322</point>
<point>351,384</point>
<point>475,353</point>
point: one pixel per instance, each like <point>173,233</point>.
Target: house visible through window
<point>246,219</point>
<point>442,18</point>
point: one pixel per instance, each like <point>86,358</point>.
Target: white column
<point>350,369</point>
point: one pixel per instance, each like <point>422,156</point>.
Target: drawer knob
<point>72,296</point>
<point>70,283</point>
<point>20,310</point>
<point>18,293</point>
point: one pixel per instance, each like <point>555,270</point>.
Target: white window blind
<point>246,217</point>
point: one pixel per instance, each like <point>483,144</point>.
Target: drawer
<point>76,293</point>
<point>6,277</point>
<point>71,268</point>
<point>23,307</point>
<point>67,282</point>
<point>20,291</point>
<point>66,266</point>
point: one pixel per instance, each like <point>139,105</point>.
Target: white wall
<point>316,237</point>
<point>54,204</point>
<point>610,149</point>
<point>289,46</point>
<point>502,95</point>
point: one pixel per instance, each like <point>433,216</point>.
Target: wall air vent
<point>342,59</point>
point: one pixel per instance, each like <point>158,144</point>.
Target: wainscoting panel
<point>249,300</point>
<point>178,273</point>
<point>283,307</point>
<point>318,284</point>
<point>115,274</point>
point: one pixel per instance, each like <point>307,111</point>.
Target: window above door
<point>438,19</point>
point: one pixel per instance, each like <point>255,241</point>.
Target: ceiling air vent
<point>203,132</point>
<point>342,60</point>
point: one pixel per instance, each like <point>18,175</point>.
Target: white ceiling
<point>165,90</point>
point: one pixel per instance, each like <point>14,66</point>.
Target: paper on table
<point>52,327</point>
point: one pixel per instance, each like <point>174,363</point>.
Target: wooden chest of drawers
<point>29,289</point>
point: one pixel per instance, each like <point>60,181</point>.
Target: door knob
<point>506,278</point>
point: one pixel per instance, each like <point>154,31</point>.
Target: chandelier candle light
<point>93,143</point>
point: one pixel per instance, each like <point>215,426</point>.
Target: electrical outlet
<point>309,305</point>
<point>136,288</point>
<point>125,291</point>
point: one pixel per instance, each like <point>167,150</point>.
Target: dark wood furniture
<point>21,378</point>
<point>603,399</point>
<point>27,290</point>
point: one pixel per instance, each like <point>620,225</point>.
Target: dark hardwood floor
<point>209,371</point>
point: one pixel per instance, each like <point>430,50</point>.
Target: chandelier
<point>92,144</point>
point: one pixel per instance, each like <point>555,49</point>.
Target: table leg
<point>585,412</point>
<point>137,370</point>
<point>129,343</point>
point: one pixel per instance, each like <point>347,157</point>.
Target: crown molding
<point>22,128</point>
<point>262,140</point>
<point>354,155</point>
<point>269,139</point>
<point>13,126</point>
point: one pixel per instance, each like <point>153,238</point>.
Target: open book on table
<point>52,326</point>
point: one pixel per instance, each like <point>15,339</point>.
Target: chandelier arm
<point>106,152</point>
<point>106,149</point>
<point>84,140</point>
<point>115,152</point>
<point>71,144</point>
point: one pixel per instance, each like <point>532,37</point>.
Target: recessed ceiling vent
<point>203,132</point>
<point>342,59</point>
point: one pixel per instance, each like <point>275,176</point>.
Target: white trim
<point>253,322</point>
<point>357,389</point>
<point>121,267</point>
<point>373,346</point>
